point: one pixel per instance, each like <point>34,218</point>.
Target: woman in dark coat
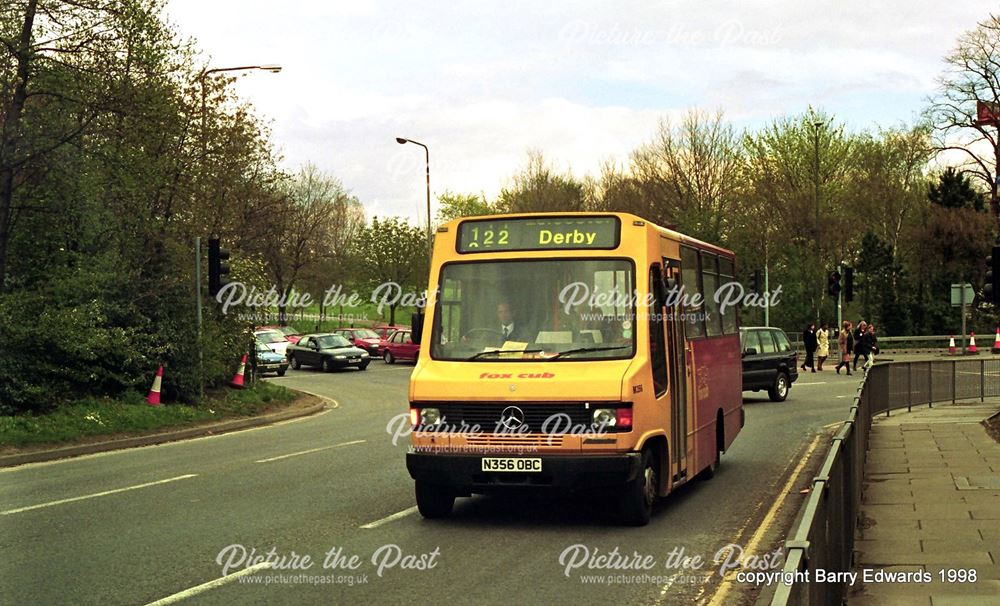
<point>809,340</point>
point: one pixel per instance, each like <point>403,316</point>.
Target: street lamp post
<point>819,240</point>
<point>427,157</point>
<point>197,241</point>
<point>274,69</point>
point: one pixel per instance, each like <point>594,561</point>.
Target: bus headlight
<point>430,416</point>
<point>605,417</point>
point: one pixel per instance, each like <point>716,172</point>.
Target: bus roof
<point>623,216</point>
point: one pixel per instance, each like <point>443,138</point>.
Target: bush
<point>95,328</point>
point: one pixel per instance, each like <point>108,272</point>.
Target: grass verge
<point>130,414</point>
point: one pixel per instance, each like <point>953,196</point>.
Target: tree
<point>954,190</point>
<point>538,188</point>
<point>453,205</point>
<point>392,257</point>
<point>319,219</point>
<point>800,168</point>
<point>971,79</point>
<point>690,175</point>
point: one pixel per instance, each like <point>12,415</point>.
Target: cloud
<point>584,81</point>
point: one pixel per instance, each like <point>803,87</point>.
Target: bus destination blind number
<point>534,234</point>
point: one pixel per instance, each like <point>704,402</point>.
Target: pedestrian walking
<point>809,340</point>
<point>846,342</point>
<point>822,345</point>
<point>872,345</point>
<point>859,343</point>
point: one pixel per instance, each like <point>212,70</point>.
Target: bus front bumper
<point>464,473</point>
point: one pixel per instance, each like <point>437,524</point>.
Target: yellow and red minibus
<point>572,351</point>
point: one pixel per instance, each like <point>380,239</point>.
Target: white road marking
<point>229,578</point>
<point>814,383</point>
<point>96,494</point>
<point>311,450</point>
<point>751,546</point>
<point>392,518</point>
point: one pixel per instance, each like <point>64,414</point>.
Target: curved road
<point>148,524</point>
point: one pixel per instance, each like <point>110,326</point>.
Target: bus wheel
<point>709,472</point>
<point>779,391</point>
<point>433,501</point>
<point>637,501</point>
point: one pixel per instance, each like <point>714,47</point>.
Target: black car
<point>327,351</point>
<point>769,362</point>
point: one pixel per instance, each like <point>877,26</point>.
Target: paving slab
<point>939,469</point>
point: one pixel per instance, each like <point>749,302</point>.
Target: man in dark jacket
<point>810,343</point>
<point>862,343</point>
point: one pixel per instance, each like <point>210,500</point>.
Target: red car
<point>399,346</point>
<point>290,333</point>
<point>365,338</point>
<point>384,332</point>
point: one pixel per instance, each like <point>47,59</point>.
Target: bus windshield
<point>560,310</point>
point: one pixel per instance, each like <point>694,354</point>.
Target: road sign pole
<point>963,318</point>
<point>767,295</point>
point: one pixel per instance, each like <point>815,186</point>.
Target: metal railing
<point>824,536</point>
<point>937,342</point>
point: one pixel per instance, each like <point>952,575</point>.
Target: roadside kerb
<point>160,438</point>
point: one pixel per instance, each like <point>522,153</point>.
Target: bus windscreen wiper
<point>587,349</point>
<point>502,351</point>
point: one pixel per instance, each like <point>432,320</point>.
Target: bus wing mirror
<point>669,283</point>
<point>416,327</point>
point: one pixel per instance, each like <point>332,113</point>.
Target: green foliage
<point>129,413</point>
<point>954,190</point>
<point>538,188</point>
<point>392,251</point>
<point>453,205</point>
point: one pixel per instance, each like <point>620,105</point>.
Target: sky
<point>483,83</point>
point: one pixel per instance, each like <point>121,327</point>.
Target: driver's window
<point>305,342</point>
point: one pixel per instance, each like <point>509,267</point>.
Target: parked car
<point>275,340</point>
<point>399,346</point>
<point>327,351</point>
<point>384,332</point>
<point>290,333</point>
<point>268,361</point>
<point>365,338</point>
<point>769,362</point>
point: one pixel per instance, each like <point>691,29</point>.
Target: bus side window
<point>657,349</point>
<point>690,274</point>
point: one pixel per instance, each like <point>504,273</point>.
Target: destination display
<point>538,233</point>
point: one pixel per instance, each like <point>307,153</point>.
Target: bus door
<point>678,373</point>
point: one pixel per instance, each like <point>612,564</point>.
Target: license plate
<point>355,359</point>
<point>512,464</point>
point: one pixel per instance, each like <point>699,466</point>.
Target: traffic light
<point>848,284</point>
<point>218,267</point>
<point>833,283</point>
<point>991,289</point>
<point>756,286</point>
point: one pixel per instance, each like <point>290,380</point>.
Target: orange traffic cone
<point>153,399</point>
<point>972,344</point>
<point>996,342</point>
<point>951,346</point>
<point>237,381</point>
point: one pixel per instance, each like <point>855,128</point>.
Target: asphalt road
<point>137,526</point>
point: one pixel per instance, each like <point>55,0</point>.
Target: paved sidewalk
<point>931,502</point>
